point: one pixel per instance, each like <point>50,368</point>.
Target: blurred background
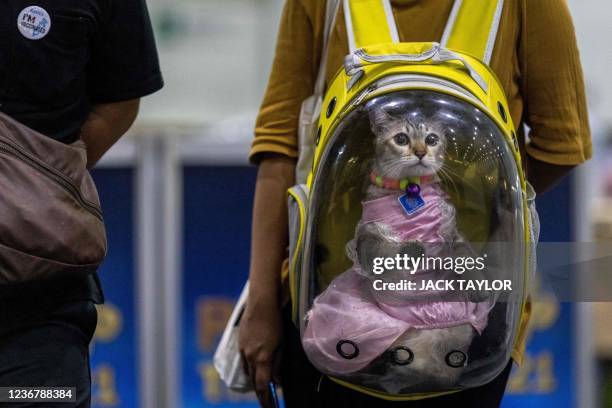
<point>177,195</point>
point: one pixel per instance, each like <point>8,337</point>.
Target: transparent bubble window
<point>416,191</point>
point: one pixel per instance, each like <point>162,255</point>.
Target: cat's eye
<point>432,139</point>
<point>401,139</point>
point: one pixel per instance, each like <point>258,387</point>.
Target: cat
<point>409,149</point>
<point>403,149</point>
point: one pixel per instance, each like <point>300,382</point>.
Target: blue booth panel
<point>114,349</point>
<point>547,377</point>
<point>216,241</point>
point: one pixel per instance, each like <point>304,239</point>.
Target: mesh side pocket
<point>534,232</point>
<point>307,135</point>
<point>297,206</point>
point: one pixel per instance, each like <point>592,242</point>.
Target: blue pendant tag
<point>411,203</point>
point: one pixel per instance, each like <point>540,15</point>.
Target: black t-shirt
<point>94,51</point>
<point>58,58</point>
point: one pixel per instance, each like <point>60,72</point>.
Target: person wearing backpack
<point>71,77</point>
<point>544,89</point>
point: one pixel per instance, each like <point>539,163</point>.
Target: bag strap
<point>331,12</point>
<point>369,22</point>
<point>472,27</point>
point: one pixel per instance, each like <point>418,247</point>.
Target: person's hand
<point>261,327</point>
<point>260,339</point>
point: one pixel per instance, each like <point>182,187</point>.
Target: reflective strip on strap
<point>369,22</point>
<point>331,13</point>
<point>391,21</point>
<point>472,27</point>
<point>451,22</point>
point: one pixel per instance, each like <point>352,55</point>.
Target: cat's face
<point>405,148</point>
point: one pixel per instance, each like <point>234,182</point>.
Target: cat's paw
<point>367,242</point>
<point>413,249</point>
<point>367,248</point>
<point>478,296</point>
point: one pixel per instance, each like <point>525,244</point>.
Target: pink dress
<point>349,309</point>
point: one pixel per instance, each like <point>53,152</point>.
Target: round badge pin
<point>34,22</point>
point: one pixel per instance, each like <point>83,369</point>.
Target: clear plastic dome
<point>415,191</point>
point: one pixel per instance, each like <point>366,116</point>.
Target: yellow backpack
<point>416,160</point>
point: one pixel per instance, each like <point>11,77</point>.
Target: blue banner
<point>216,239</point>
<point>546,379</point>
<point>114,349</point>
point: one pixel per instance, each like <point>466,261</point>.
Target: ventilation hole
<point>402,355</point>
<point>347,349</point>
<point>456,359</point>
<point>331,107</point>
<point>502,112</point>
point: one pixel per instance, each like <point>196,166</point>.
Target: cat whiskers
<point>394,167</point>
<point>448,176</point>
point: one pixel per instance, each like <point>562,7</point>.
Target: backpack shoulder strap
<point>331,11</point>
<point>369,22</point>
<point>472,27</point>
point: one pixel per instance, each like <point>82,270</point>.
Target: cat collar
<point>410,185</point>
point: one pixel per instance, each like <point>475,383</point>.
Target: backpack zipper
<point>416,79</point>
<point>354,63</point>
<point>59,178</point>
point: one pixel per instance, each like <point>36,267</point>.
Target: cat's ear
<point>379,119</point>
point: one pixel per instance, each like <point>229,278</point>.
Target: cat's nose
<point>419,154</point>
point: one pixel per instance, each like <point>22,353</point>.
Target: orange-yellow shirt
<point>535,57</point>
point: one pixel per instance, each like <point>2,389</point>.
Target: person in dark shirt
<point>69,69</point>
